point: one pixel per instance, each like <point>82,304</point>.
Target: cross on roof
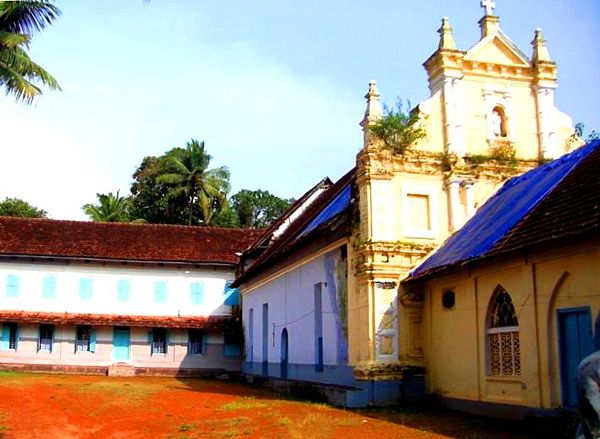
<point>489,6</point>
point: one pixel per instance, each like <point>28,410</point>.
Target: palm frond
<point>27,16</point>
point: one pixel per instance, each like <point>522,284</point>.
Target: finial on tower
<point>489,6</point>
<point>446,38</point>
<point>373,112</point>
<point>540,52</point>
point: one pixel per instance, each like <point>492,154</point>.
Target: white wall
<point>104,289</point>
<point>291,305</point>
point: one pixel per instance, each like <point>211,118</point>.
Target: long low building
<point>121,298</point>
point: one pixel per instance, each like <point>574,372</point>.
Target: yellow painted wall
<point>456,347</point>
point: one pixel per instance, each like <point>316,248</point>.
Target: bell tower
<point>490,115</point>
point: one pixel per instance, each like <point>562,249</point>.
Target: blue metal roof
<point>502,212</point>
<point>335,207</point>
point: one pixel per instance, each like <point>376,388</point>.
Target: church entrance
<point>575,342</point>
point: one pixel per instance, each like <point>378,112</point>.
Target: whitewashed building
<point>101,297</point>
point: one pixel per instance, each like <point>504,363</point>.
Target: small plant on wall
<point>398,129</point>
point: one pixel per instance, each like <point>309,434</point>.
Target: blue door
<point>575,342</point>
<point>284,354</point>
<point>121,341</point>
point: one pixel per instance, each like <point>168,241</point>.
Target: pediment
<point>497,49</point>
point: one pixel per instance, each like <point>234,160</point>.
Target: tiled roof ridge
<point>121,223</point>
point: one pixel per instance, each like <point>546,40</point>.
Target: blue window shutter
<point>166,340</point>
<point>12,285</point>
<point>92,340</point>
<point>123,290</point>
<point>5,336</point>
<point>49,287</point>
<point>204,342</point>
<point>197,293</point>
<point>160,292</point>
<point>150,336</point>
<point>85,289</point>
<point>16,336</point>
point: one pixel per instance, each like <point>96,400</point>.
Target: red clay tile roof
<point>123,241</point>
<point>212,322</point>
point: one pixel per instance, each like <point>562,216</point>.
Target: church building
<point>321,295</point>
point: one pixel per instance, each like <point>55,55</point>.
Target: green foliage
<point>110,208</point>
<point>20,208</point>
<point>398,129</point>
<point>258,209</point>
<point>186,173</point>
<point>178,187</point>
<point>19,75</point>
<point>580,132</point>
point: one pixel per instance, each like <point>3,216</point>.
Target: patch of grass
<point>10,374</point>
<point>3,428</point>
<point>245,402</point>
<point>284,421</point>
<point>187,427</point>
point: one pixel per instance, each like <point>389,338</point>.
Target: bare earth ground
<point>69,406</point>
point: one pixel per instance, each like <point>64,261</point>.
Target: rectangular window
<point>85,339</point>
<point>160,292</point>
<point>232,345</point>
<point>49,287</point>
<point>197,342</point>
<point>85,289</point>
<point>159,341</point>
<point>10,336</point>
<point>46,338</point>
<point>232,295</point>
<point>419,217</point>
<point>12,285</point>
<point>123,290</point>
<point>197,293</point>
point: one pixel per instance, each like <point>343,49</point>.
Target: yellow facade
<point>455,339</point>
<point>490,116</point>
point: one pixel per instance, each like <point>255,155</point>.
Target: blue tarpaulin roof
<point>502,212</point>
<point>335,207</point>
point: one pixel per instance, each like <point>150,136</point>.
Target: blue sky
<point>275,88</point>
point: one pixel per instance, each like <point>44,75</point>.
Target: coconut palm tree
<point>186,170</point>
<point>110,208</point>
<point>19,75</point>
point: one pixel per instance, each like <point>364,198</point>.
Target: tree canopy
<point>179,188</point>
<point>256,209</point>
<point>20,208</point>
<point>111,208</point>
<point>19,75</point>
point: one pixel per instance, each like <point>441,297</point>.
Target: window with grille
<point>503,336</point>
<point>159,341</point>
<point>46,338</point>
<point>85,339</point>
<point>196,342</point>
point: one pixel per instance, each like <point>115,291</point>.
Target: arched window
<point>499,125</point>
<point>503,335</point>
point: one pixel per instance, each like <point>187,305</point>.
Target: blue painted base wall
<point>359,393</point>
